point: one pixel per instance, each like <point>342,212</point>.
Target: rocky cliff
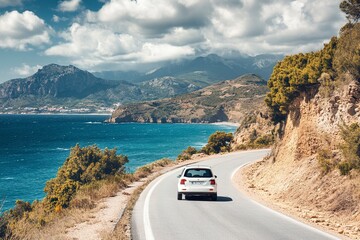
<point>226,101</point>
<point>308,170</point>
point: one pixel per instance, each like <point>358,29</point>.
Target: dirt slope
<point>292,176</point>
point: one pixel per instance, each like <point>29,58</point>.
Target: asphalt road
<point>159,215</point>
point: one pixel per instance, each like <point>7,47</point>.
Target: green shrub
<point>218,142</point>
<point>264,141</point>
<point>294,74</point>
<point>344,168</point>
<point>9,218</point>
<point>325,160</point>
<point>186,154</point>
<point>350,148</point>
<point>347,54</point>
<point>83,166</point>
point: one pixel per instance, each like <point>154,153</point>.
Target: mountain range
<point>70,87</point>
<point>203,71</point>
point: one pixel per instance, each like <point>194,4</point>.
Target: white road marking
<point>149,235</point>
<point>237,169</point>
<point>288,218</point>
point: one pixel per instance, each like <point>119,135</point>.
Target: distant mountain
<point>55,81</point>
<point>129,76</point>
<point>166,87</point>
<point>204,71</point>
<point>68,86</point>
<point>229,100</point>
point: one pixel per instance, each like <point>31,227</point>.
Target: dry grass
<point>39,224</point>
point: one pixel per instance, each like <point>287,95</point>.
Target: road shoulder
<point>242,180</point>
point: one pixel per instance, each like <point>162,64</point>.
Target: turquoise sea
<point>33,147</point>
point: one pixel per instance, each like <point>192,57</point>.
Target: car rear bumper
<point>199,193</point>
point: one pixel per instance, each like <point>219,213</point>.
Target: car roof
<point>197,166</point>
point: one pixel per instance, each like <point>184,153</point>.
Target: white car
<point>197,181</point>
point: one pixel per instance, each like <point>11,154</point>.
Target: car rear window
<point>198,173</point>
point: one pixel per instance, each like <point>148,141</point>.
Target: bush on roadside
<point>147,169</point>
<point>218,142</point>
<point>186,154</point>
<point>350,148</point>
<point>83,166</point>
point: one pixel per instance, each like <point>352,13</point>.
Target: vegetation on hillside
<point>82,172</point>
<point>299,72</point>
<point>218,142</point>
<point>295,74</point>
<point>186,154</point>
<point>352,10</point>
<point>211,104</point>
<point>350,148</point>
<point>83,166</point>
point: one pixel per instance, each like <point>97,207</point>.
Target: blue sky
<point>97,35</point>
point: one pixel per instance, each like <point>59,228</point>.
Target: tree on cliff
<point>352,10</point>
<point>294,74</point>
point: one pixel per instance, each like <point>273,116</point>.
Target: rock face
<point>293,174</point>
<point>226,101</point>
<point>55,81</point>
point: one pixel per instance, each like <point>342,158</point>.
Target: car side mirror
<point>178,176</point>
<point>215,176</point>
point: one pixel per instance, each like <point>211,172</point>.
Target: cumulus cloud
<point>92,45</point>
<point>144,31</point>
<point>22,30</point>
<point>153,18</point>
<point>25,70</point>
<point>69,5</point>
<point>10,3</point>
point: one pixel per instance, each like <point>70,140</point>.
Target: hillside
<point>55,81</point>
<point>63,87</point>
<point>226,101</point>
<point>56,88</point>
<point>314,168</point>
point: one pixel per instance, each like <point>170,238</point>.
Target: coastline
<point>60,114</point>
<point>232,124</point>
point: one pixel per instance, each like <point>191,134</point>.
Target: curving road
<point>159,215</point>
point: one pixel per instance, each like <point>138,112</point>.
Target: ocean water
<point>33,147</point>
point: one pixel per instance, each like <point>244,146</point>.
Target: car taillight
<point>212,182</point>
<point>182,181</point>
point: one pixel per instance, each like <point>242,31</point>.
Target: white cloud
<point>10,3</point>
<point>163,52</point>
<point>25,70</point>
<point>91,45</point>
<point>69,5</point>
<point>56,18</point>
<point>22,30</point>
<point>126,32</point>
<point>94,41</point>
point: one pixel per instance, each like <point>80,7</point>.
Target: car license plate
<point>198,182</point>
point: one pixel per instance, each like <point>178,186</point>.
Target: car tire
<point>179,196</point>
<point>214,197</point>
